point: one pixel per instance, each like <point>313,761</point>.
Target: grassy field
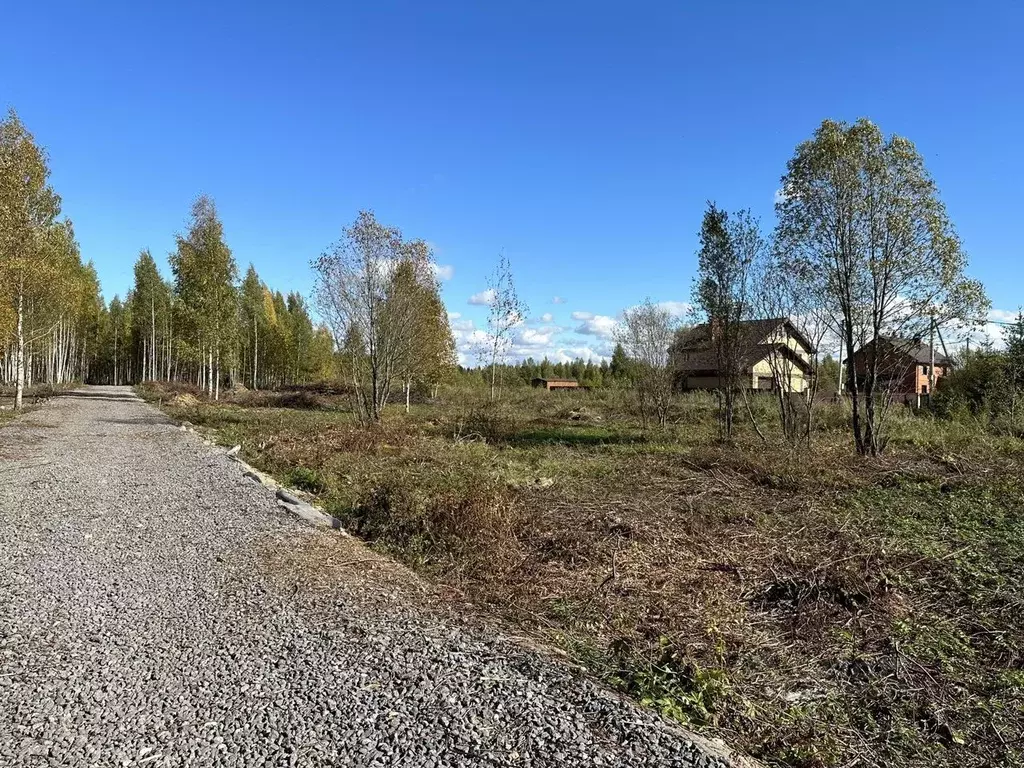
<point>807,606</point>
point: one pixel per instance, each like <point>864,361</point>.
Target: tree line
<point>988,384</point>
<point>206,327</point>
<point>49,298</point>
<point>203,325</point>
<point>589,373</point>
<point>384,323</point>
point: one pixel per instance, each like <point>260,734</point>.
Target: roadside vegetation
<point>813,608</point>
<point>32,397</point>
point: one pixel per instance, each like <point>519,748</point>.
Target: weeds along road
<point>157,608</point>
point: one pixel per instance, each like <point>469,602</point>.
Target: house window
<point>924,389</point>
<point>924,370</point>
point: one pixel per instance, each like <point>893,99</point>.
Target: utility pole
<point>839,383</point>
<point>931,362</point>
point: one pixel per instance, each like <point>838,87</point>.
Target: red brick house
<point>904,365</point>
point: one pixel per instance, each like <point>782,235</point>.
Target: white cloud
<point>484,298</point>
<point>541,336</point>
<point>1003,316</point>
<point>601,326</point>
<point>568,354</point>
<point>468,342</point>
<point>991,331</point>
<point>443,271</point>
<point>677,308</point>
<point>558,300</point>
<point>532,337</point>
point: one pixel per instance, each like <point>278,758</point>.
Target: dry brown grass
<point>809,607</point>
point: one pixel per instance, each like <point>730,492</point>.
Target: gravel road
<point>157,608</point>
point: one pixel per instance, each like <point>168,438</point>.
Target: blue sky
<point>583,138</point>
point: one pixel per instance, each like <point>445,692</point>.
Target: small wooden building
<point>550,384</point>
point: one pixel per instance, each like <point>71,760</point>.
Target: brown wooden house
<point>904,365</point>
<point>551,383</point>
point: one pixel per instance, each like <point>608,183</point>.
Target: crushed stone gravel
<point>158,608</point>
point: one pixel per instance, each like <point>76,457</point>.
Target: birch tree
<point>505,311</point>
<point>300,328</point>
<point>204,277</point>
<point>355,295</point>
<point>150,309</point>
<point>28,207</point>
<point>428,349</point>
<point>862,222</point>
<point>645,334</point>
<point>253,322</point>
<point>779,293</point>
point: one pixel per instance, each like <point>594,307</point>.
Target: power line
<point>998,322</point>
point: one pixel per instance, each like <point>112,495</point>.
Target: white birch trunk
<point>19,366</point>
<point>255,353</point>
<point>152,340</point>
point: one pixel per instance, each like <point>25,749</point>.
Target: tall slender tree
<point>28,208</point>
<point>150,306</point>
<point>505,311</point>
<point>729,248</point>
<point>205,275</point>
<point>428,348</point>
<point>253,322</point>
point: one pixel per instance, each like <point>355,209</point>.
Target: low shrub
<point>299,400</point>
<point>664,678</point>
<point>492,423</point>
<point>469,523</point>
<point>306,479</point>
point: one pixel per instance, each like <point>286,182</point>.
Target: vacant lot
<point>807,606</point>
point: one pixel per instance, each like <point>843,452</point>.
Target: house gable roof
<point>752,332</point>
<point>753,340</point>
<point>913,348</point>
